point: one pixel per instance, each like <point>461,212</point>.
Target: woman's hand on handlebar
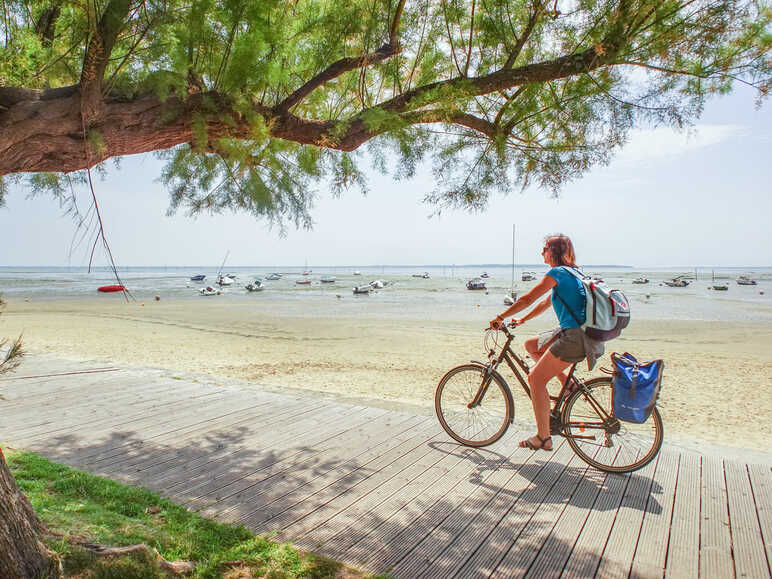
<point>498,323</point>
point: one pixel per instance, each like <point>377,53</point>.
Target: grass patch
<point>73,502</point>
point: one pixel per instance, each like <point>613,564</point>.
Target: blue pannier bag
<point>635,387</point>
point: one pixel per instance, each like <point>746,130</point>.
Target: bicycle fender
<point>507,390</point>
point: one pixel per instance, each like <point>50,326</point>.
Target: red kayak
<point>111,288</point>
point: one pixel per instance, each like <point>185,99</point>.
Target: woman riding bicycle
<point>557,349</point>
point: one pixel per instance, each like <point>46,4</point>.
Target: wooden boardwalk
<point>388,491</point>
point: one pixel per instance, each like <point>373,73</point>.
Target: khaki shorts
<point>568,345</point>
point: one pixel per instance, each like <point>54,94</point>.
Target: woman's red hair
<point>561,249</point>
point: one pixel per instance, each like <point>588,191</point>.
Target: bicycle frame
<point>513,360</point>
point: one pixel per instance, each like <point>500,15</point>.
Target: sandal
<point>528,444</point>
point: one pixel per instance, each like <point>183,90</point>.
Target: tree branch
<point>97,56</point>
<point>343,65</point>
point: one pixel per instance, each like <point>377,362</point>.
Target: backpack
<point>635,387</point>
<point>607,310</point>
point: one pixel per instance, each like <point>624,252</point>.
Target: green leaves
<point>579,76</point>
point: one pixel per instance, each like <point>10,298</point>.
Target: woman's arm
<point>546,284</point>
<point>536,311</point>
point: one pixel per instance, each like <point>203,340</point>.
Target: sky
<point>667,199</point>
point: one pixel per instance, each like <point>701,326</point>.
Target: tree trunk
<point>22,554</point>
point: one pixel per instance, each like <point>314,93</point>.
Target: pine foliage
<point>422,103</point>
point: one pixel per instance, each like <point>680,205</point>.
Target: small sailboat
<point>223,279</point>
<point>274,276</point>
<point>363,289</point>
<point>327,279</point>
<point>377,284</point>
<point>510,298</point>
<point>718,287</point>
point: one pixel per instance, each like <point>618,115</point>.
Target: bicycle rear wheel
<point>602,440</point>
<point>479,424</point>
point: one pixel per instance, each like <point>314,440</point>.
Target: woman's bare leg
<point>546,368</point>
<point>531,346</point>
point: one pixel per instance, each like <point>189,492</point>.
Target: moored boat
<point>363,289</point>
<point>256,286</point>
<point>528,276</point>
<point>199,277</point>
<point>424,275</point>
<point>327,279</point>
<point>224,280</point>
<point>640,280</point>
<point>676,282</point>
<point>111,288</point>
<point>274,276</point>
<point>305,281</point>
<point>475,284</point>
<point>209,291</point>
<point>745,280</point>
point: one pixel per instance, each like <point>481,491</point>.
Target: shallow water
<point>443,294</point>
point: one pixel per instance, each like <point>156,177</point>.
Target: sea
<point>404,294</point>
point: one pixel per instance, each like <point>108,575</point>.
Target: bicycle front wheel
<point>470,422</point>
<point>602,440</point>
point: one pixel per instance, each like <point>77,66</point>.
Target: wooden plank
<point>353,523</point>
<point>623,538</point>
<point>684,545</point>
<point>715,537</point>
<point>651,552</point>
<point>532,538</point>
<point>204,464</point>
<point>284,506</point>
<point>417,497</point>
<point>553,556</point>
<point>750,557</point>
<point>351,508</point>
<point>589,547</point>
<point>213,432</point>
<point>308,457</point>
<point>418,519</point>
<point>761,483</point>
<point>427,528</point>
<point>538,480</point>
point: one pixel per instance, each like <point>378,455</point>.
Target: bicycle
<point>475,406</point>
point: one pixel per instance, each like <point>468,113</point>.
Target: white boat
<point>745,280</point>
<point>363,289</point>
<point>224,280</point>
<point>357,272</point>
<point>274,276</point>
<point>510,299</point>
<point>327,279</point>
<point>476,283</point>
<point>257,286</point>
<point>641,280</point>
<point>676,282</point>
<point>377,284</point>
<point>484,274</point>
<point>424,275</point>
<point>528,276</point>
<point>209,291</point>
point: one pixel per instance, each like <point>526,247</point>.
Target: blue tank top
<point>572,291</point>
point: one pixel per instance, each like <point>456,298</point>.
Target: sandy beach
<point>716,388</point>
